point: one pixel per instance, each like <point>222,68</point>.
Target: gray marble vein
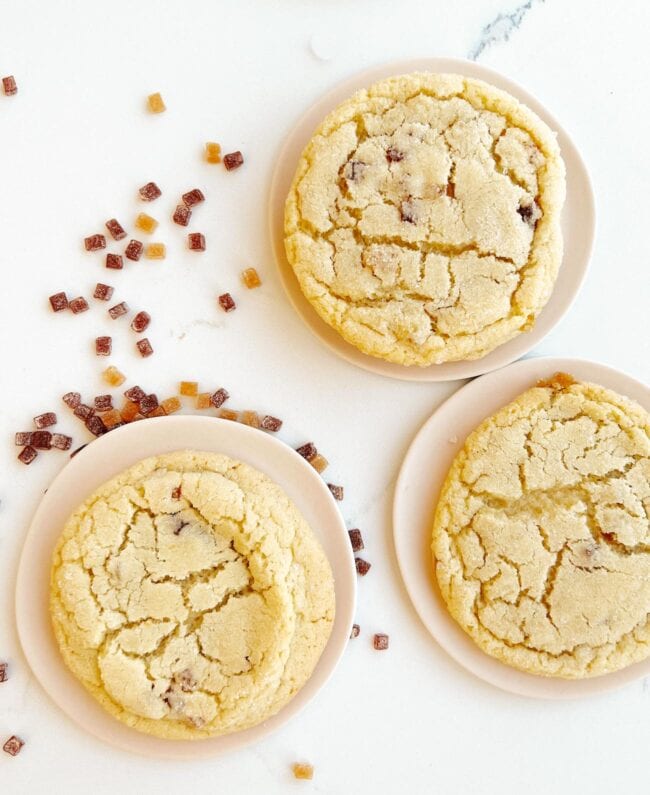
<point>501,28</point>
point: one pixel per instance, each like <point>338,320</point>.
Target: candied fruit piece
<point>337,491</point>
<point>61,442</point>
<point>9,85</point>
<point>129,411</point>
<point>149,192</point>
<point>308,451</point>
<point>356,539</point>
<point>380,641</point>
<point>27,455</point>
<point>144,346</point>
<point>114,262</point>
<point>112,418</point>
<point>203,400</point>
<point>155,251</point>
<point>58,302</point>
<point>227,303</point>
<point>362,566</point>
<point>45,420</point>
<point>146,223</point>
<point>23,438</point>
<point>356,630</point>
<point>233,160</point>
<point>558,381</point>
<point>159,411</point>
<point>192,197</point>
<point>188,388</point>
<point>116,229</point>
<point>319,462</point>
<point>41,440</point>
<point>251,418</point>
<point>103,292</point>
<point>303,771</point>
<point>251,278</point>
<point>213,152</point>
<point>71,399</point>
<point>270,423</point>
<point>94,242</point>
<point>83,411</point>
<point>196,241</point>
<point>113,376</point>
<point>135,393</point>
<point>182,215</point>
<point>103,403</point>
<point>78,305</point>
<point>134,250</point>
<point>96,425</point>
<point>228,414</point>
<point>171,404</point>
<point>219,398</point>
<point>155,103</point>
<point>140,322</point>
<point>118,310</point>
<point>3,672</point>
<point>13,744</point>
<point>103,346</point>
<point>148,404</point>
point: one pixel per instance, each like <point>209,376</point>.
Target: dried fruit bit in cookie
<point>118,310</point>
<point>308,451</point>
<point>23,438</point>
<point>219,397</point>
<point>192,197</point>
<point>114,262</point>
<point>380,642</point>
<point>171,405</point>
<point>228,414</point>
<point>196,241</point>
<point>94,242</point>
<point>96,425</point>
<point>213,152</point>
<point>13,744</point>
<point>303,771</point>
<point>450,190</point>
<point>27,455</point>
<point>155,251</point>
<point>356,539</point>
<point>270,423</point>
<point>319,462</point>
<point>251,418</point>
<point>103,292</point>
<point>41,440</point>
<point>116,229</point>
<point>3,672</point>
<point>529,212</point>
<point>61,442</point>
<point>149,192</point>
<point>227,303</point>
<point>129,411</point>
<point>113,376</point>
<point>356,629</point>
<point>203,401</point>
<point>177,492</point>
<point>362,566</point>
<point>557,381</point>
<point>103,346</point>
<point>251,278</point>
<point>103,403</point>
<point>146,223</point>
<point>337,491</point>
<point>188,388</point>
<point>182,215</point>
<point>112,418</point>
<point>155,103</point>
<point>144,346</point>
<point>148,404</point>
<point>78,305</point>
<point>233,160</point>
<point>394,155</point>
<point>83,411</point>
<point>71,399</point>
<point>45,420</point>
<point>140,322</point>
<point>135,393</point>
<point>58,302</point>
<point>134,250</point>
<point>407,212</point>
<point>9,85</point>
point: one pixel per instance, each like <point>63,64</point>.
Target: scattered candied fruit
<point>3,672</point>
<point>41,440</point>
<point>356,629</point>
<point>188,388</point>
<point>251,418</point>
<point>219,398</point>
<point>103,292</point>
<point>58,302</point>
<point>135,393</point>
<point>83,411</point>
<point>155,251</point>
<point>319,462</point>
<point>94,242</point>
<point>9,85</point>
<point>229,414</point>
<point>103,403</point>
<point>112,418</point>
<point>113,376</point>
<point>308,451</point>
<point>129,411</point>
<point>103,346</point>
<point>337,491</point>
<point>114,262</point>
<point>118,310</point>
<point>140,322</point>
<point>134,250</point>
<point>146,223</point>
<point>203,400</point>
<point>149,192</point>
<point>356,539</point>
<point>148,404</point>
<point>196,241</point>
<point>233,160</point>
<point>362,566</point>
<point>227,303</point>
<point>155,103</point>
<point>144,346</point>
<point>23,438</point>
<point>251,278</point>
<point>116,229</point>
<point>78,305</point>
<point>61,442</point>
<point>269,423</point>
<point>303,771</point>
<point>380,641</point>
<point>72,399</point>
<point>171,404</point>
<point>96,425</point>
<point>192,197</point>
<point>182,215</point>
<point>45,420</point>
<point>159,411</point>
<point>213,152</point>
<point>27,455</point>
<point>13,744</point>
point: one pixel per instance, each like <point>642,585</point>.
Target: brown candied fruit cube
<point>114,262</point>
<point>3,672</point>
<point>155,103</point>
<point>61,442</point>
<point>308,451</point>
<point>303,771</point>
<point>188,388</point>
<point>23,438</point>
<point>148,404</point>
<point>226,302</point>
<point>269,423</point>
<point>144,347</point>
<point>171,404</point>
<point>83,411</point>
<point>229,414</point>
<point>13,744</point>
<point>362,566</point>
<point>182,215</point>
<point>94,242</point>
<point>129,411</point>
<point>96,425</point>
<point>9,85</point>
<point>251,418</point>
<point>113,376</point>
<point>118,310</point>
<point>71,399</point>
<point>319,462</point>
<point>203,400</point>
<point>45,420</point>
<point>192,197</point>
<point>337,491</point>
<point>219,397</point>
<point>112,418</point>
<point>58,302</point>
<point>134,250</point>
<point>380,641</point>
<point>149,192</point>
<point>41,440</point>
<point>146,223</point>
<point>356,630</point>
<point>233,160</point>
<point>140,322</point>
<point>116,229</point>
<point>196,241</point>
<point>213,152</point>
<point>155,251</point>
<point>78,305</point>
<point>103,346</point>
<point>27,455</point>
<point>103,292</point>
<point>356,539</point>
<point>135,393</point>
<point>251,278</point>
<point>103,403</point>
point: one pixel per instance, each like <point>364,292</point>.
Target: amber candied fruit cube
<point>71,399</point>
<point>203,400</point>
<point>27,455</point>
<point>96,425</point>
<point>213,152</point>
<point>78,305</point>
<point>113,376</point>
<point>45,420</point>
<point>303,771</point>
<point>134,250</point>
<point>103,403</point>
<point>118,310</point>
<point>219,397</point>
<point>227,302</point>
<point>146,223</point>
<point>155,251</point>
<point>103,292</point>
<point>103,346</point>
<point>41,440</point>
<point>251,278</point>
<point>182,215</point>
<point>114,262</point>
<point>116,229</point>
<point>155,103</point>
<point>135,393</point>
<point>308,451</point>
<point>233,160</point>
<point>61,442</point>
<point>9,85</point>
<point>270,423</point>
<point>319,462</point>
<point>149,192</point>
<point>356,539</point>
<point>94,242</point>
<point>148,404</point>
<point>196,241</point>
<point>145,348</point>
<point>129,410</point>
<point>380,641</point>
<point>58,302</point>
<point>337,491</point>
<point>140,322</point>
<point>228,414</point>
<point>159,411</point>
<point>112,418</point>
<point>192,197</point>
<point>23,438</point>
<point>188,388</point>
<point>251,418</point>
<point>171,404</point>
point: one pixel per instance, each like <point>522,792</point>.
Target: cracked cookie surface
<point>190,597</point>
<point>541,538</point>
<point>423,222</point>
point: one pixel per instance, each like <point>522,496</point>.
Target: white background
<point>76,143</point>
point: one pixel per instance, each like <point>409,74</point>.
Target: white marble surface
<point>75,144</point>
